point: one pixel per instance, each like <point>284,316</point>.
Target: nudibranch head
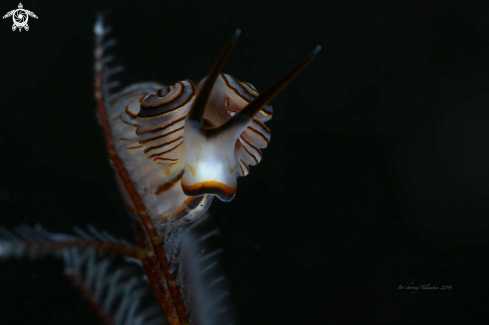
<point>213,138</point>
<point>216,153</point>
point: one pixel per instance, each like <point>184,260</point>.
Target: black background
<point>376,175</point>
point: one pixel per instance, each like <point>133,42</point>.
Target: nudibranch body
<point>184,144</point>
<point>175,171</point>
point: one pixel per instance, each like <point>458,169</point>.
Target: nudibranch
<point>183,144</point>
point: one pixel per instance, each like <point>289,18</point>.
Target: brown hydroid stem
<point>57,247</point>
<point>155,275</point>
<point>93,304</point>
<point>171,304</point>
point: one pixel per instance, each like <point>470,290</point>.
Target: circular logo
<point>20,17</point>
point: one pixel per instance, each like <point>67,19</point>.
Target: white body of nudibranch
<point>176,169</point>
<point>182,145</point>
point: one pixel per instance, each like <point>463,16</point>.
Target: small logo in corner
<point>20,17</point>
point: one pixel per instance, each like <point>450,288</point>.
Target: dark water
<point>376,175</point>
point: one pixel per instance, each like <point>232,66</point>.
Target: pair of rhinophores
<point>183,144</point>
